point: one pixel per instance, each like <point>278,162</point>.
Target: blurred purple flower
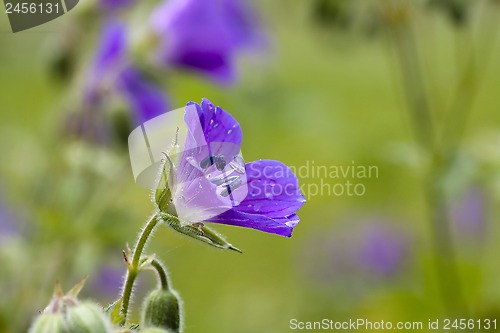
<point>382,249</point>
<point>371,251</point>
<point>468,213</point>
<point>8,226</point>
<point>114,5</point>
<point>113,73</point>
<point>205,35</point>
<point>108,281</point>
<point>273,195</point>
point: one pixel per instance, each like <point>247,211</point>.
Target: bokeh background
<point>325,85</point>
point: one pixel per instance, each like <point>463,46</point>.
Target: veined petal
<point>273,198</point>
<point>211,131</point>
<point>200,180</point>
<point>281,226</point>
<point>214,127</point>
<point>273,190</point>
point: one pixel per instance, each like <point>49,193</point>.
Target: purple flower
<point>114,5</point>
<point>468,213</point>
<point>382,249</point>
<point>211,183</point>
<point>108,281</point>
<point>112,73</point>
<point>358,253</point>
<point>8,227</point>
<point>205,35</point>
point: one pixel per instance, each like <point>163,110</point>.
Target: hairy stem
<point>162,273</point>
<point>133,267</point>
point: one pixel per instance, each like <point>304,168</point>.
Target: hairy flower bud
<point>66,314</point>
<point>87,317</point>
<point>161,310</point>
<point>48,323</point>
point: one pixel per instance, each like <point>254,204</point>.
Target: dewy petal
<point>147,100</point>
<point>273,198</point>
<point>218,128</point>
<point>273,190</point>
<point>210,131</point>
<point>279,226</point>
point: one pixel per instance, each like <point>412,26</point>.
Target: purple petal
<point>147,100</point>
<point>204,35</point>
<point>468,213</point>
<point>108,280</point>
<point>273,198</point>
<point>8,226</point>
<point>217,129</point>
<point>211,131</point>
<point>110,55</point>
<point>382,249</point>
<point>280,226</point>
<point>114,5</point>
<point>273,190</point>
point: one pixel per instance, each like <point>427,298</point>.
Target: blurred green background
<point>321,91</point>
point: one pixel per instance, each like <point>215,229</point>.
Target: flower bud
<point>87,317</point>
<point>48,323</point>
<point>161,310</point>
<point>66,314</point>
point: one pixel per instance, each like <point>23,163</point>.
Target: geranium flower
<point>112,74</point>
<point>209,182</point>
<point>205,35</point>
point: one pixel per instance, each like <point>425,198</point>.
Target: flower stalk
<point>425,132</point>
<point>133,266</point>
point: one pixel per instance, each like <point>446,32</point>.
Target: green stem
<point>133,267</point>
<point>162,273</point>
<point>414,85</point>
<point>420,109</point>
<point>444,249</point>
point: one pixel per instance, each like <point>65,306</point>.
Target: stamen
<point>231,186</point>
<point>224,181</point>
<point>238,165</point>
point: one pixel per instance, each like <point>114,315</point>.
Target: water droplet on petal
<point>230,131</point>
<point>216,125</point>
<point>211,121</point>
